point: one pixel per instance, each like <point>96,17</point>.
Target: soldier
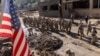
<point>34,22</point>
<point>86,19</point>
<point>72,18</point>
<point>57,26</point>
<point>51,25</point>
<point>81,30</point>
<point>66,26</point>
<point>40,23</point>
<point>60,24</point>
<point>47,22</point>
<point>89,28</point>
<point>44,26</point>
<point>94,37</point>
<point>55,29</point>
<point>69,26</point>
<point>48,26</point>
<point>30,31</point>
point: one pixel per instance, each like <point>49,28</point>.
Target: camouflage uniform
<point>89,28</point>
<point>30,31</point>
<point>81,30</point>
<point>69,26</point>
<point>43,27</point>
<point>94,37</point>
<point>66,26</point>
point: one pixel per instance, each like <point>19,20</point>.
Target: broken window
<point>81,4</point>
<point>66,7</point>
<point>96,3</point>
<point>54,7</point>
<point>44,8</point>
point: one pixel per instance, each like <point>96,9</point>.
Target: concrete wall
<point>95,12</point>
<point>82,11</point>
<point>53,13</point>
<point>90,11</point>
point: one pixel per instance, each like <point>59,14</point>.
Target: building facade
<point>50,8</point>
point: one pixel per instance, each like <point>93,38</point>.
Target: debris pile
<point>46,42</point>
<point>5,47</point>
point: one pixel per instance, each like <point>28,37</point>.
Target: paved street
<point>81,48</point>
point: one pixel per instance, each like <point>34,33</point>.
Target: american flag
<point>11,28</point>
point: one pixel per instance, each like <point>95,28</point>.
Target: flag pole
<point>2,10</point>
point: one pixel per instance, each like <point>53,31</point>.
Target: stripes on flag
<point>6,30</point>
<point>20,47</point>
<point>11,28</point>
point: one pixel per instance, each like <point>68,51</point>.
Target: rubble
<point>46,41</point>
<point>5,48</point>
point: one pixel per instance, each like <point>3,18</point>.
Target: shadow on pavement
<point>86,39</point>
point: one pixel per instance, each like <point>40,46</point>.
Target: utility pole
<point>2,10</point>
<point>61,10</point>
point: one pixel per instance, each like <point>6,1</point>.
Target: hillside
<point>26,4</point>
